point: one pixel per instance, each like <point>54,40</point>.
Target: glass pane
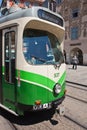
<point>10,57</point>
<point>7,57</point>
<point>41,47</point>
<point>12,34</point>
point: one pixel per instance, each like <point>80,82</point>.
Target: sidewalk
<point>77,76</point>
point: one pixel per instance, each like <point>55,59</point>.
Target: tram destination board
<point>50,17</point>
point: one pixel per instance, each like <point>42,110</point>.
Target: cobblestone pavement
<point>78,76</point>
<point>4,124</point>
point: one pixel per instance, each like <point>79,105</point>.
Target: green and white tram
<point>32,68</point>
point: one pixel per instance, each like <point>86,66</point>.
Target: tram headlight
<point>57,89</point>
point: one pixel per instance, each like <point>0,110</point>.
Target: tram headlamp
<point>57,89</point>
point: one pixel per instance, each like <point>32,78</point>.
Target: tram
<point>32,67</point>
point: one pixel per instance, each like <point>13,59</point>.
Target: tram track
<point>76,104</point>
<point>74,117</point>
<point>76,83</point>
<point>75,121</point>
<point>9,125</point>
<point>77,92</point>
<point>76,98</point>
<point>13,127</point>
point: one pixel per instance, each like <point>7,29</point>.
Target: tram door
<point>9,87</point>
<point>0,66</point>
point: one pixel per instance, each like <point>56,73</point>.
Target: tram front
<point>42,74</point>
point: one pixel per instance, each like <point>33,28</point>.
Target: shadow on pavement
<point>30,118</point>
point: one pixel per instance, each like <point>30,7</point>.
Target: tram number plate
<point>44,106</point>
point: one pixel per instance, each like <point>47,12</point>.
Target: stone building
<point>75,16</point>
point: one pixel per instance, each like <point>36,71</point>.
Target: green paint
<point>9,91</point>
<point>30,92</point>
<point>32,87</point>
<point>36,78</point>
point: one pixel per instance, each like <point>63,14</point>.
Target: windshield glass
<point>41,47</point>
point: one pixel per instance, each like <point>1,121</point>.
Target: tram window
<point>10,56</point>
<point>41,47</point>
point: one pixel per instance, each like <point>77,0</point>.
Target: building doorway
<point>78,52</point>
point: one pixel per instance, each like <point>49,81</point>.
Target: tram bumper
<point>57,102</point>
<point>54,104</point>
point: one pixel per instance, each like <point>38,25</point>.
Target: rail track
<point>69,82</point>
<point>76,85</point>
<point>12,126</point>
<point>77,92</point>
<point>77,98</point>
<point>75,121</point>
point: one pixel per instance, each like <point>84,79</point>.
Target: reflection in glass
<point>41,47</point>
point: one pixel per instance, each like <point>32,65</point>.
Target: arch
<point>78,52</point>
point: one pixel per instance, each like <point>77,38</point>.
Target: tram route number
<point>42,106</point>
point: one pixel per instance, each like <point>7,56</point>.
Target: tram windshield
<point>41,47</point>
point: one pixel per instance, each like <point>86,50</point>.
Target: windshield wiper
<point>53,63</point>
<point>56,65</point>
<point>38,58</point>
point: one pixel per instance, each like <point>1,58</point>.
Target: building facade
<point>75,16</point>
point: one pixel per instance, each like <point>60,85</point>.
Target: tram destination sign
<point>50,17</point>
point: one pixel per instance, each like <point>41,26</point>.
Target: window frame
<point>74,33</point>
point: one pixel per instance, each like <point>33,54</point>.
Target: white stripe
<point>11,111</point>
<point>40,85</point>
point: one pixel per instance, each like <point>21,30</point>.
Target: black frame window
<point>10,56</point>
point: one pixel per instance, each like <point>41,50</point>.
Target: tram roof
<point>32,12</point>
